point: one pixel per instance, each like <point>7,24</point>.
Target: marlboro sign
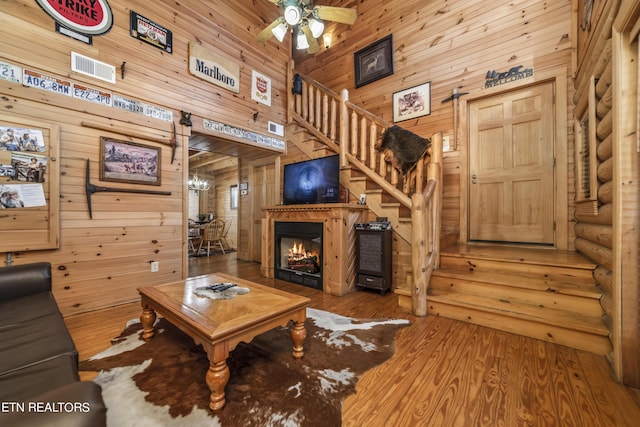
<point>90,17</point>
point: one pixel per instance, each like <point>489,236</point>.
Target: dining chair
<point>213,235</point>
<point>227,226</point>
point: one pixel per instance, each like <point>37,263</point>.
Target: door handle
<point>474,179</point>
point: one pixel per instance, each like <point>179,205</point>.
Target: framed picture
<point>374,61</point>
<point>411,103</point>
<point>124,161</point>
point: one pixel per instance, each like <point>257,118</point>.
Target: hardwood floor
<point>444,372</point>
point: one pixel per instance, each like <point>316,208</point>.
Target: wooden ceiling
<point>205,151</point>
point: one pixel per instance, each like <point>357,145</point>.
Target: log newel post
<point>344,128</point>
<point>419,254</point>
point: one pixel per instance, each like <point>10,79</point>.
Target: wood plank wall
<point>102,261</point>
<point>452,44</point>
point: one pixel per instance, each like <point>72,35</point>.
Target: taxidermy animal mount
<point>402,148</point>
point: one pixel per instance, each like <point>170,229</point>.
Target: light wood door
<point>264,195</point>
<point>511,167</point>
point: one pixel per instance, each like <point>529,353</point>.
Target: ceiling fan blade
<point>336,14</point>
<point>266,34</point>
<point>313,43</point>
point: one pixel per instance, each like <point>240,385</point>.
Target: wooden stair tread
<point>528,312</point>
<point>507,253</point>
<point>524,281</point>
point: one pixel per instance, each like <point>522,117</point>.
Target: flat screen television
<point>312,181</point>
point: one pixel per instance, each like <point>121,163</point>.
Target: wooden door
<point>263,195</point>
<point>511,166</point>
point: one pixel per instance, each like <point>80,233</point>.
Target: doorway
<point>512,175</point>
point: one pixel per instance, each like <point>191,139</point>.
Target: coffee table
<point>219,325</point>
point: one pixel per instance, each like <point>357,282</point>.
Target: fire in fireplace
<point>301,259</point>
<point>298,253</point>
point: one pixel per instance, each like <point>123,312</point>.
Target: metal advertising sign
<point>93,17</point>
<point>213,68</point>
<point>45,82</point>
<point>149,32</point>
<point>93,95</point>
<point>260,88</point>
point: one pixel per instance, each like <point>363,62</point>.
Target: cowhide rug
<point>162,382</point>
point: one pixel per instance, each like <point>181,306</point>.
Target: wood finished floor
<point>443,373</point>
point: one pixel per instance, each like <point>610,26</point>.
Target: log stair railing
<point>354,133</point>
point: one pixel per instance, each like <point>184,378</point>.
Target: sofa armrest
<point>26,279</point>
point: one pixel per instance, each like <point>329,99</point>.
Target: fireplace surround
<point>338,240</point>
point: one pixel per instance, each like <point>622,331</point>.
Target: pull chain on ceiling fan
<point>307,22</point>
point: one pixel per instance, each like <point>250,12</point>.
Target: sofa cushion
<point>78,404</point>
<point>25,383</point>
<point>26,279</point>
<point>32,341</point>
<point>31,307</point>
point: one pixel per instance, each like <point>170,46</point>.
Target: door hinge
<point>554,226</point>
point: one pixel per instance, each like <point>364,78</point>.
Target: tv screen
<point>312,181</point>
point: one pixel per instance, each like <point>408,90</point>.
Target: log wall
<point>101,262</point>
<point>607,88</point>
<point>452,44</point>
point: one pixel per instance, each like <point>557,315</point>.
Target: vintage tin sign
<point>214,68</point>
<point>10,72</point>
<point>44,82</point>
<point>93,95</point>
<point>149,32</point>
<point>260,88</point>
<point>93,17</point>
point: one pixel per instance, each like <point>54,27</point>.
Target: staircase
<point>545,294</point>
<point>540,293</point>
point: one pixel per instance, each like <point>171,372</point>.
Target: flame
<point>298,251</point>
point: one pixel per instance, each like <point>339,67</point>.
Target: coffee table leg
<point>298,334</point>
<point>217,379</point>
<point>147,318</point>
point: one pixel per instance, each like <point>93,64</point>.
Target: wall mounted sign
<point>10,72</point>
<point>213,68</point>
<point>89,17</point>
<point>149,32</point>
<point>44,82</point>
<point>245,135</point>
<point>90,94</point>
<point>495,78</point>
<point>260,88</point>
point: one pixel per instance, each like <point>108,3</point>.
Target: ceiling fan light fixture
<point>316,26</point>
<point>280,31</point>
<point>292,14</point>
<point>301,41</point>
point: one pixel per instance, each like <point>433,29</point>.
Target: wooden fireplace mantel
<point>338,240</point>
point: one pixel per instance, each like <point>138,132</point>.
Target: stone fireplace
<point>298,253</point>
<point>336,251</point>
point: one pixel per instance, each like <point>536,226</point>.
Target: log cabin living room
<point>463,175</point>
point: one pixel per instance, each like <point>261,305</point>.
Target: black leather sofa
<point>39,382</point>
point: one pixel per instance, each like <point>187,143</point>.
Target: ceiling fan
<point>306,19</point>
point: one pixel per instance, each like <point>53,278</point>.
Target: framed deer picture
<point>374,61</point>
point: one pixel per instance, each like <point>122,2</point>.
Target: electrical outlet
<point>155,265</point>
<point>445,143</point>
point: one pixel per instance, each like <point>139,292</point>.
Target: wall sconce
<point>327,40</point>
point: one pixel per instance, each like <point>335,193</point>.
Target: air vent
<point>91,67</point>
<point>276,128</point>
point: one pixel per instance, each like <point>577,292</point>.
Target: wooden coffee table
<point>219,325</point>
